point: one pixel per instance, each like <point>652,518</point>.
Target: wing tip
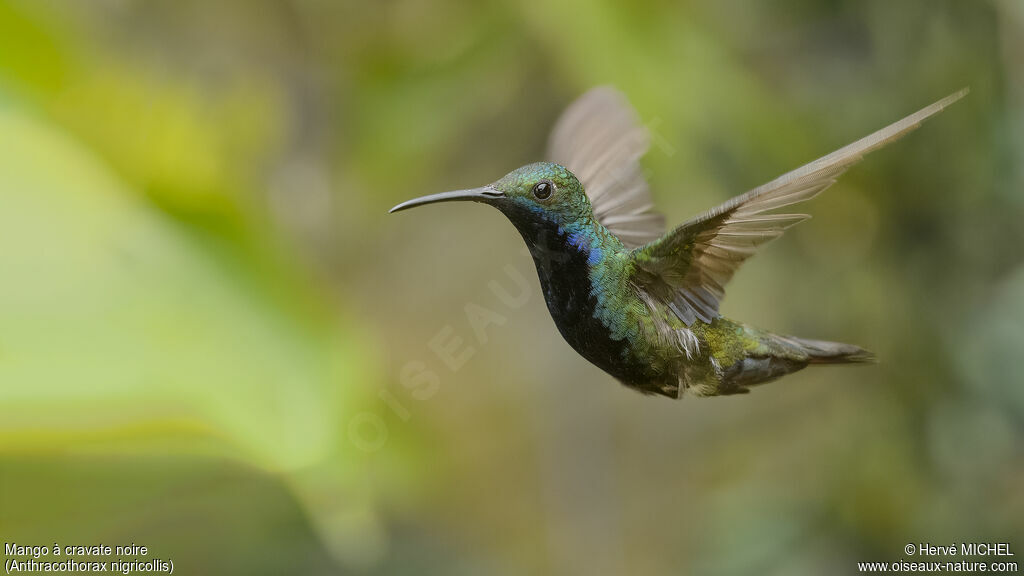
<point>952,98</point>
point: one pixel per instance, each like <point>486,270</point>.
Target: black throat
<point>564,268</point>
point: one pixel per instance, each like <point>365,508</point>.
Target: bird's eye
<point>542,190</point>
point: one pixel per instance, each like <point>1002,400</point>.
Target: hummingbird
<point>640,303</point>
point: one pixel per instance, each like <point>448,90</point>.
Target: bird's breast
<point>581,310</point>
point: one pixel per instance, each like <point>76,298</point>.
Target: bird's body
<point>588,278</point>
<point>639,304</point>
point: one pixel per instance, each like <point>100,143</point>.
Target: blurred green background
<point>215,342</point>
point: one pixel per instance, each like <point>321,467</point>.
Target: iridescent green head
<point>539,192</point>
<point>546,190</point>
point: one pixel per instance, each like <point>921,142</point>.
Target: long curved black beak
<point>483,194</point>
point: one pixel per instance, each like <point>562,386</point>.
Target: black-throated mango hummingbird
<point>640,303</point>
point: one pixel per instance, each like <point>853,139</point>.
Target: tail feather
<point>777,355</point>
<point>824,352</point>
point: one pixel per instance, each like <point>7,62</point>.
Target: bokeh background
<point>215,342</point>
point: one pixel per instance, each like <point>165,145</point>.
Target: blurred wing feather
<point>599,139</point>
<point>689,267</point>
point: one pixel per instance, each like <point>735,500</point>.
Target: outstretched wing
<point>599,139</point>
<point>689,267</point>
